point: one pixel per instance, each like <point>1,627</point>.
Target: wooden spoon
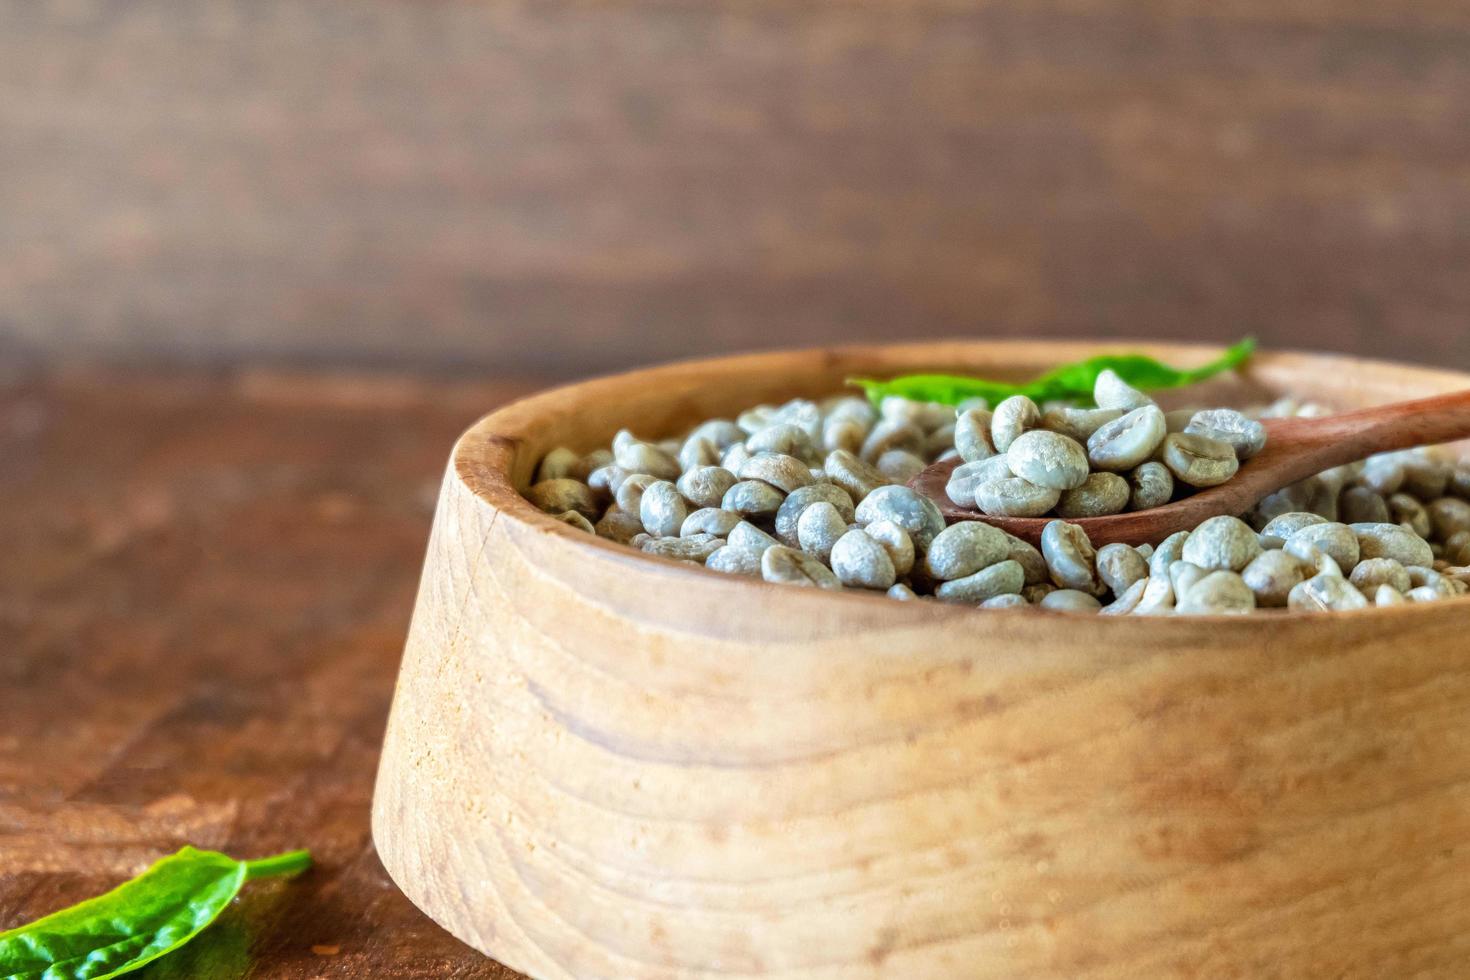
<point>1296,448</point>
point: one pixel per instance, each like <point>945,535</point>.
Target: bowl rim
<point>485,453</point>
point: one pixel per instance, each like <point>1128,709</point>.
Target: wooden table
<point>205,581</point>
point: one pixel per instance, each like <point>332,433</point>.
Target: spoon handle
<point>1347,436</point>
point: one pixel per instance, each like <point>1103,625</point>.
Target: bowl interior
<point>666,401</point>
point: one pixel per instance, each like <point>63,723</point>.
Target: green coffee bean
<point>1373,572</point>
<point>1460,481</point>
<point>862,563</point>
<point>852,474</point>
<point>1128,600</point>
<point>557,465</point>
<point>1246,436</point>
<point>706,486</point>
<point>819,528</point>
<point>1448,516</point>
<point>709,520</point>
<point>1120,566</point>
<point>1012,417</point>
<point>605,480</point>
<point>785,473</point>
<point>792,507</point>
<point>888,435</point>
<point>784,439</point>
<point>1359,505</point>
<point>1426,476</point>
<point>1198,460</point>
<point>1457,548</point>
<point>1326,593</point>
<point>596,459</point>
<point>1127,442</point>
<point>1034,592</point>
<point>644,457</point>
<point>696,548</point>
<point>972,435</point>
<point>629,495</point>
<point>1097,496</point>
<point>662,509</point>
<point>1048,459</point>
<point>1338,541</point>
<point>901,591</point>
<point>735,457</point>
<point>925,415</point>
<point>1070,558</point>
<point>1218,593</point>
<point>1070,600</point>
<point>1151,485</point>
<point>753,499</point>
<point>1006,600</point>
<point>753,419</point>
<point>905,507</point>
<point>618,525</point>
<point>845,434</point>
<point>1157,598</point>
<point>939,442</point>
<point>1078,423</point>
<point>963,549</point>
<point>900,465</point>
<point>1271,576</point>
<point>1015,497</point>
<point>1387,595</point>
<point>1002,578</point>
<point>1288,500</point>
<point>1404,509</point>
<point>1183,575</point>
<point>1285,525</point>
<point>1111,391</point>
<point>791,567</point>
<point>735,561</point>
<point>721,433</point>
<point>1422,577</point>
<point>1170,550</point>
<point>576,520</point>
<point>1222,543</point>
<point>751,538</point>
<point>896,541</point>
<point>1390,541</point>
<point>1028,557</point>
<point>696,453</point>
<point>967,478</point>
<point>559,496</point>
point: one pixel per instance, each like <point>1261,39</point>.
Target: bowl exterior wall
<point>601,765</point>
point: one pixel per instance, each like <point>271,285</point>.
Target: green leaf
<point>1070,382</point>
<point>138,921</point>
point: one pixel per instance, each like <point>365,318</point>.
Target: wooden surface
<point>204,588</point>
<point>1296,449</point>
<point>604,765</point>
<point>566,186</point>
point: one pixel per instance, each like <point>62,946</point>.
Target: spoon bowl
<point>1296,448</point>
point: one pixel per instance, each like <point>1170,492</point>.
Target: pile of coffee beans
<point>813,493</point>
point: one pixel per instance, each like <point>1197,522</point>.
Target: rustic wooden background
<point>561,187</point>
<point>206,574</point>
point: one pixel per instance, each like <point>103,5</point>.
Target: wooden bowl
<point>601,764</point>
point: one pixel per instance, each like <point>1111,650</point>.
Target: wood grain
<point>205,581</point>
<point>602,764</point>
<point>569,187</point>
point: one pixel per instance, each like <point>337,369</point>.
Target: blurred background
<point>261,261</point>
<point>559,188</point>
